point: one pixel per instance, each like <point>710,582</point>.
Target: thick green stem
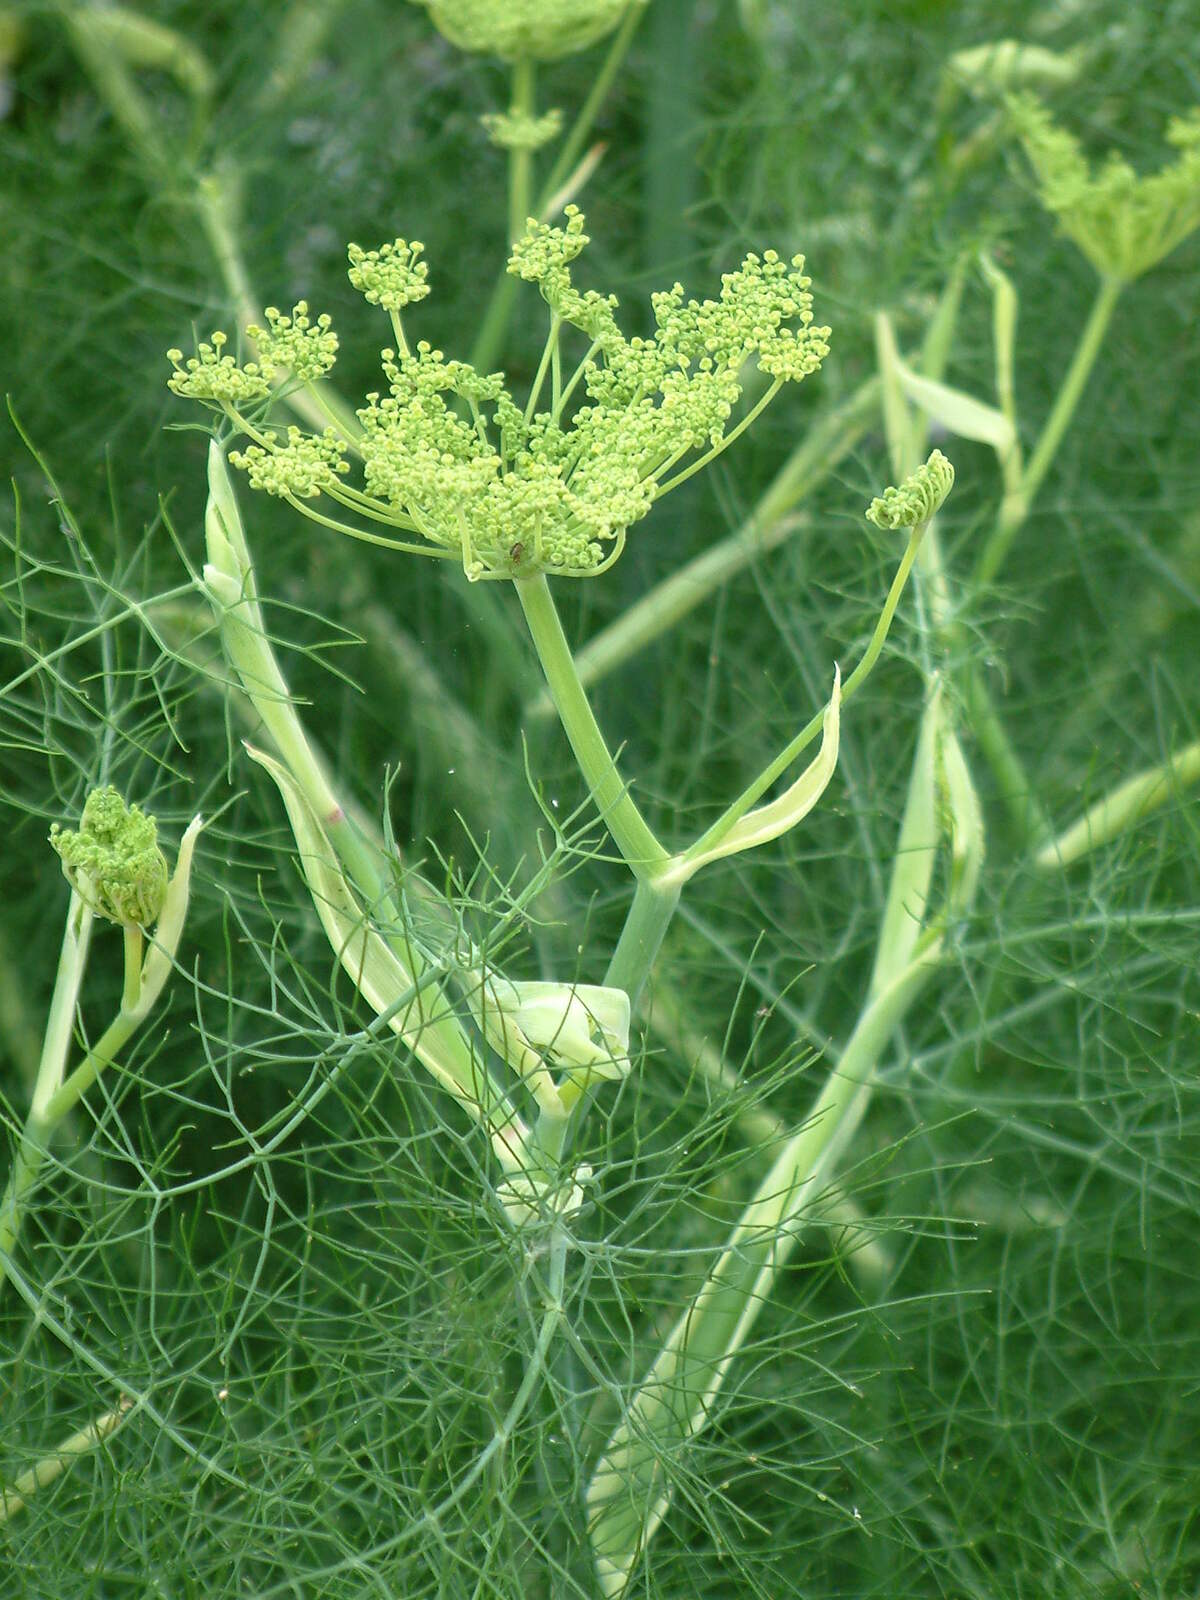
<point>59,1024</point>
<point>133,967</point>
<point>1025,811</point>
<point>53,1466</point>
<point>1017,507</point>
<point>630,1491</point>
<point>633,836</point>
<point>649,917</point>
<point>118,1033</point>
<point>27,1164</point>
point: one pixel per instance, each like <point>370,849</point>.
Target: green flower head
<point>113,862</point>
<point>917,499</point>
<point>392,276</point>
<point>307,349</point>
<point>460,468</point>
<point>517,130</point>
<point>212,376</point>
<point>525,30</point>
<point>1124,223</point>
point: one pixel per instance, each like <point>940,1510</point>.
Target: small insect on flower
<point>516,554</point>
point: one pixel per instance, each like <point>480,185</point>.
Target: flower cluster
<point>392,276</point>
<point>525,30</point>
<point>1123,223</point>
<point>113,862</point>
<point>917,499</point>
<point>553,486</point>
<point>517,130</point>
<point>210,375</point>
<point>306,349</point>
<point>305,466</point>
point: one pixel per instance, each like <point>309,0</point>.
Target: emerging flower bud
<point>1007,65</point>
<point>516,130</point>
<point>917,499</point>
<point>113,862</point>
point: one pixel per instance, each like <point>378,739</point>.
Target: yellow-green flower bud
<point>525,30</point>
<point>1123,222</point>
<point>113,862</point>
<point>917,499</point>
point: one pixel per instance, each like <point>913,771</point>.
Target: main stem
<point>654,901</point>
<point>634,838</point>
<point>649,918</point>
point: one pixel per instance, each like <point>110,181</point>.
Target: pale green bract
<point>113,861</point>
<point>1124,224</point>
<point>525,30</point>
<point>449,456</point>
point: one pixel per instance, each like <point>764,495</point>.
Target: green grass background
<point>327,1338</point>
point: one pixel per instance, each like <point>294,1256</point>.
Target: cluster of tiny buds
<point>305,349</point>
<point>511,488</point>
<point>113,861</point>
<point>392,276</point>
<point>1123,222</point>
<point>518,130</point>
<point>917,499</point>
<point>212,375</point>
<point>306,466</point>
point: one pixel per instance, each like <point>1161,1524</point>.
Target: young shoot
<point>118,872</point>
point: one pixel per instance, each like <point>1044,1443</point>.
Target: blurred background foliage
<point>1011,1410</point>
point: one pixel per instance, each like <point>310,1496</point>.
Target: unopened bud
<point>113,861</point>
